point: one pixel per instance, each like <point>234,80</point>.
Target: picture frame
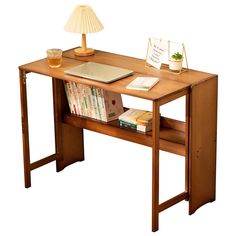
<point>166,55</point>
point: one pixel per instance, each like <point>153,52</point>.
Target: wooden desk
<point>195,139</point>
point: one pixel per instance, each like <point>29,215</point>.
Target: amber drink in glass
<point>54,57</point>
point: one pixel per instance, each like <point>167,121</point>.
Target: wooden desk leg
<point>155,165</point>
<point>187,122</point>
<point>25,130</point>
<point>203,125</point>
<point>69,140</point>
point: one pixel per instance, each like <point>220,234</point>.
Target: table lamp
<point>83,20</point>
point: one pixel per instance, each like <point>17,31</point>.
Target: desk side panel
<point>202,159</point>
<point>68,139</point>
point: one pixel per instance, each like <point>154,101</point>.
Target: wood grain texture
<point>43,161</point>
<point>195,138</point>
<point>203,124</point>
<point>162,89</point>
<point>169,83</point>
<point>69,141</point>
<point>138,65</point>
<point>172,147</point>
<point>187,139</point>
<point>171,140</point>
<point>174,200</point>
<point>72,146</point>
<point>155,165</point>
<point>25,128</point>
<point>172,124</point>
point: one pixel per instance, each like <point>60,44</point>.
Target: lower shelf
<point>172,135</point>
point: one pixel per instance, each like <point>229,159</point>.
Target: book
<point>79,97</point>
<point>136,119</point>
<point>68,95</point>
<point>102,105</point>
<point>101,111</point>
<point>144,128</point>
<point>145,119</point>
<point>113,105</point>
<point>93,102</point>
<point>73,99</point>
<point>131,115</point>
<point>83,99</point>
<point>127,125</point>
<point>144,122</point>
<point>76,97</point>
<point>143,83</point>
<point>89,100</point>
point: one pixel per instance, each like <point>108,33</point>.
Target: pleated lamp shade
<point>83,20</point>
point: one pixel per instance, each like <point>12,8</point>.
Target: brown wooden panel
<point>171,140</point>
<point>25,128</point>
<point>68,139</point>
<point>171,147</point>
<point>172,124</point>
<point>191,77</point>
<point>195,139</point>
<point>203,124</point>
<point>173,96</point>
<point>112,129</point>
<point>155,165</point>
<point>43,161</point>
<point>187,134</point>
<point>72,146</point>
<point>174,200</point>
<point>172,135</point>
<point>162,89</point>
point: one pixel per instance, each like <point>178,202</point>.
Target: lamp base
<point>84,52</point>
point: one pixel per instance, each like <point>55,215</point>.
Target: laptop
<point>99,72</point>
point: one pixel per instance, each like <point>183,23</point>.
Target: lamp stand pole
<point>84,51</point>
<point>84,45</point>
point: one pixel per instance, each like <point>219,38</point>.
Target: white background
<point>110,192</point>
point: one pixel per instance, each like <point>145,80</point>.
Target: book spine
<point>144,128</point>
<point>74,110</point>
<point>129,120</point>
<point>84,104</point>
<point>127,125</point>
<point>101,104</point>
<point>94,103</point>
<point>89,101</point>
<point>74,102</point>
<point>98,104</point>
<point>80,98</point>
<point>76,97</point>
<point>68,95</point>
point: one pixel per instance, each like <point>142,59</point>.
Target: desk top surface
<point>169,83</point>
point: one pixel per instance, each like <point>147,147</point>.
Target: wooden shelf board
<point>171,140</point>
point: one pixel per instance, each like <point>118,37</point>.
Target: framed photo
<point>166,55</point>
<point>157,48</point>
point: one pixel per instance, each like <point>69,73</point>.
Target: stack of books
<point>136,119</point>
<point>93,102</point>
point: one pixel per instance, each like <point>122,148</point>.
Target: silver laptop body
<point>99,72</point>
